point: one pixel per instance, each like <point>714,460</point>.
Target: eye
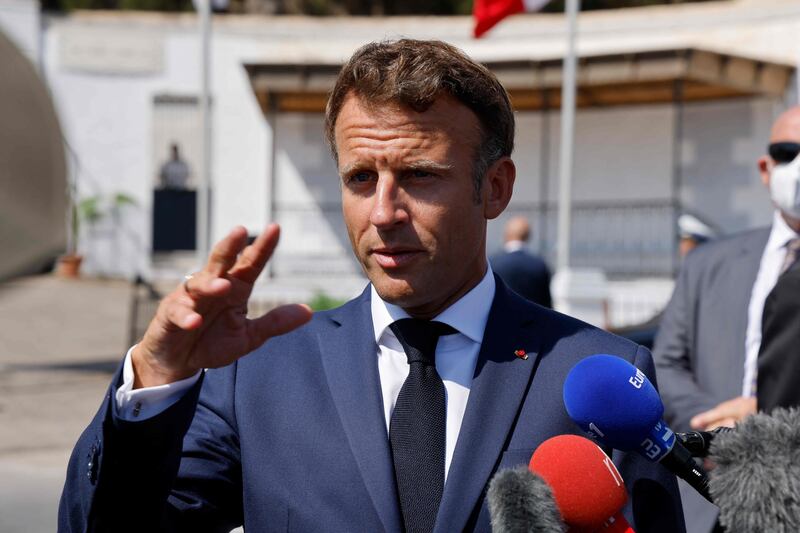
<point>420,173</point>
<point>358,177</point>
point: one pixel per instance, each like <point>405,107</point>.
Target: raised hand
<point>203,323</point>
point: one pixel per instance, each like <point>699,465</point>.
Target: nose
<point>388,208</point>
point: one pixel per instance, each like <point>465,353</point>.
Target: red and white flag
<point>487,13</point>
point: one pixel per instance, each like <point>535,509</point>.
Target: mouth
<point>394,257</point>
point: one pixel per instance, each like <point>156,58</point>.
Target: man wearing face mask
<point>778,362</point>
<point>707,348</point>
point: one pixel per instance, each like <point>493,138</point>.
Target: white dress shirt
<point>456,357</point>
<point>768,272</point>
<point>513,246</point>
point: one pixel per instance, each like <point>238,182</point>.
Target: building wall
<point>625,156</point>
<point>105,74</point>
<point>107,111</point>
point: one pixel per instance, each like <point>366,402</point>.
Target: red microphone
<point>587,486</point>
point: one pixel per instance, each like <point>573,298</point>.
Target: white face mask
<point>784,187</point>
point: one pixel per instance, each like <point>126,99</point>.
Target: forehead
<point>362,124</point>
<point>787,127</point>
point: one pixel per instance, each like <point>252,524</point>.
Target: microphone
<point>699,442</point>
<point>756,480</point>
<point>615,403</point>
<point>521,502</point>
<point>586,485</point>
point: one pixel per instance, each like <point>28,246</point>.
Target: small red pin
<point>521,354</point>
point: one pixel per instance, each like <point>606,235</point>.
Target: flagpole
<point>567,140</point>
<point>204,183</point>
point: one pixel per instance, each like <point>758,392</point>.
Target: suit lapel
<point>350,361</point>
<point>498,388</point>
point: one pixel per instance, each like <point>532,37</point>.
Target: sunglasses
<point>784,152</point>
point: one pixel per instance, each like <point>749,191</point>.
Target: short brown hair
<point>414,74</point>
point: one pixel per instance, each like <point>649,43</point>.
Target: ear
<point>764,167</point>
<point>498,185</point>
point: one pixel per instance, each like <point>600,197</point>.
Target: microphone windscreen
<point>613,401</point>
<point>756,480</point>
<point>521,502</point>
<point>586,485</point>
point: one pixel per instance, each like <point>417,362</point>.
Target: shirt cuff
<point>141,404</point>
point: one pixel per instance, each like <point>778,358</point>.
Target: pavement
<point>60,341</point>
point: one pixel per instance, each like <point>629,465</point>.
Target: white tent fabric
<point>33,186</point>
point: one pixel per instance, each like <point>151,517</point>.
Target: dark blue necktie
<point>418,423</point>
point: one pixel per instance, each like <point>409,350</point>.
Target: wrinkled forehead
<point>445,115</point>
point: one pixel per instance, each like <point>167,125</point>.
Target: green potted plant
<point>90,210</point>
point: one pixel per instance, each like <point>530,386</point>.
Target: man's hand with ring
<point>203,323</point>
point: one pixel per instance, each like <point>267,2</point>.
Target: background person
<point>707,346</point>
<point>524,273</point>
<point>174,174</point>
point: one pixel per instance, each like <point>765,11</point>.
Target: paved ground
<point>59,342</point>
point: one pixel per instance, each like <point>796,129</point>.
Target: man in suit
<point>707,346</point>
<point>372,417</point>
<point>524,273</point>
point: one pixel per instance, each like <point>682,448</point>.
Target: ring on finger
<point>186,280</point>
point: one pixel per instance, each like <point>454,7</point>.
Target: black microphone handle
<point>680,462</point>
<point>699,442</point>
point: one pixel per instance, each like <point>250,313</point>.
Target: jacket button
<point>91,466</point>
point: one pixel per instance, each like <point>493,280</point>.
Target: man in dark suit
<point>524,273</point>
<point>372,417</point>
<point>707,346</point>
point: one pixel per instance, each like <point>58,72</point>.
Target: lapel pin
<point>521,354</point>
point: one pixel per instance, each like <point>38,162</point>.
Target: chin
<point>395,291</point>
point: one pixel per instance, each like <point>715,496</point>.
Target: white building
<point>675,107</point>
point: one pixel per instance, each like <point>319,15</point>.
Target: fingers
<point>181,313</point>
<point>280,320</point>
<point>727,413</point>
<point>223,255</point>
<point>252,260</point>
<point>204,285</point>
<point>700,421</point>
<point>185,307</point>
<point>724,422</point>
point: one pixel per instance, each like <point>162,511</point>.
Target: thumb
<point>280,320</point>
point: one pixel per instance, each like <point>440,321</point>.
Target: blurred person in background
<point>692,233</point>
<point>707,346</point>
<point>174,174</point>
<point>524,273</point>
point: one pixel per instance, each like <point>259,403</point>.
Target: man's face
<point>409,201</point>
<point>785,129</point>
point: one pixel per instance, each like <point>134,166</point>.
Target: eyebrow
<point>421,164</point>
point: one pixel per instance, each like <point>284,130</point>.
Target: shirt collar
<point>513,246</point>
<point>780,234</point>
<point>468,314</point>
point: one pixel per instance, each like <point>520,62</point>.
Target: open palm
<point>204,324</point>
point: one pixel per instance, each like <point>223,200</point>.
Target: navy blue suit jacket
<point>525,273</point>
<point>293,438</point>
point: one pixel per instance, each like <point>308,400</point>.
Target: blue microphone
<point>615,403</point>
